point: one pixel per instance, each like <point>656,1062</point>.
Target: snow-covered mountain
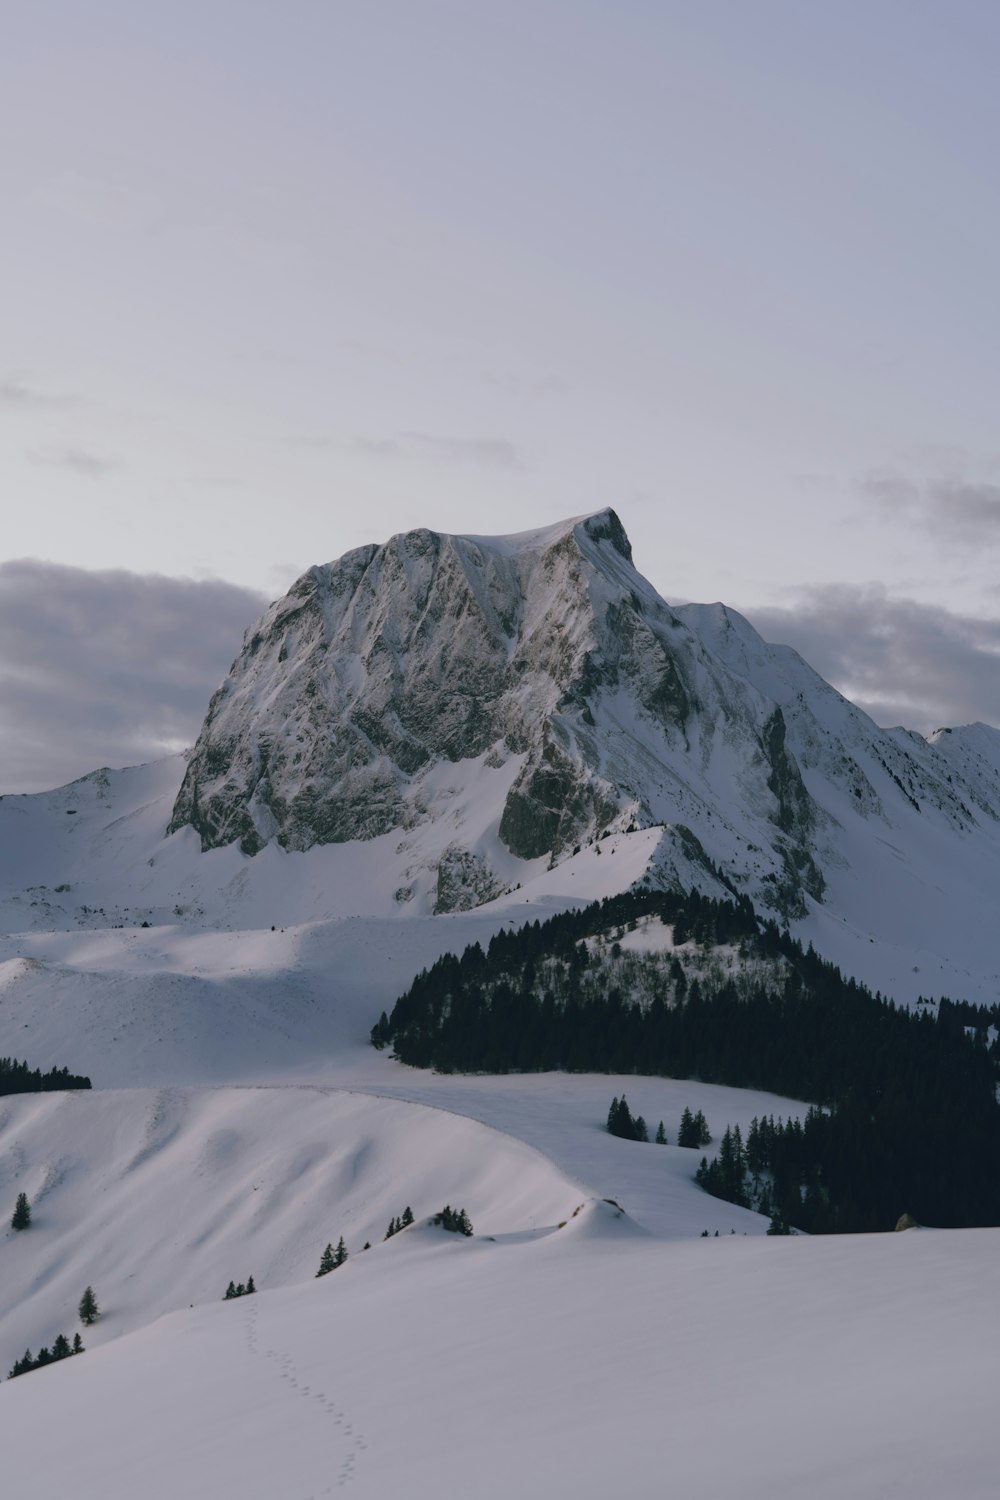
<point>545,656</point>
<point>483,711</point>
<point>421,744</point>
<point>445,723</point>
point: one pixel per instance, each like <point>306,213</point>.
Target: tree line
<point>17,1078</point>
<point>61,1346</point>
<point>909,1121</point>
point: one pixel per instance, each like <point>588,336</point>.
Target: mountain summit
<point>530,694</point>
<point>545,653</point>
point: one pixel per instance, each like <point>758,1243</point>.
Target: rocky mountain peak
<point>381,690</point>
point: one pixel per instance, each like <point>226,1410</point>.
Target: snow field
<point>589,1361</point>
<point>158,1198</point>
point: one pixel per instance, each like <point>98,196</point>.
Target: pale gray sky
<point>279,278</point>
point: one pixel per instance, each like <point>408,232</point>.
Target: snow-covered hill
<point>585,1361</point>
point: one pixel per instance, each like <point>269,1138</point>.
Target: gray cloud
<point>15,393</point>
<point>965,511</point>
<point>77,460</point>
<point>890,488</point>
<point>107,668</point>
<point>972,509</point>
<point>901,661</point>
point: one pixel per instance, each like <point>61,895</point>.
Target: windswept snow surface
<point>586,1361</point>
<point>160,1197</point>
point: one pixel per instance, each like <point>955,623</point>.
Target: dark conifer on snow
<point>17,1078</point>
<point>22,1212</point>
<point>896,1089</point>
<point>621,1123</point>
<point>89,1310</point>
<point>239,1289</point>
<point>456,1220</point>
<point>61,1349</point>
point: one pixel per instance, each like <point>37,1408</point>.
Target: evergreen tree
<point>455,1220</point>
<point>407,1216</point>
<point>22,1212</point>
<point>61,1349</point>
<point>687,1135</point>
<point>89,1310</point>
<point>340,1254</point>
<point>327,1262</point>
<point>230,1292</point>
<point>250,1288</point>
<point>661,1135</point>
<point>639,1131</point>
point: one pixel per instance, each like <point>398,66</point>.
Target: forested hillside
<point>909,1119</point>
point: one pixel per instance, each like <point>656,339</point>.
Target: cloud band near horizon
<point>115,668</point>
<point>107,668</point>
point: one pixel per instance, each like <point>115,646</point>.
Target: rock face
<point>549,655</point>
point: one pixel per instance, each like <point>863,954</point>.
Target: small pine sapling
<point>89,1310</point>
<point>22,1212</point>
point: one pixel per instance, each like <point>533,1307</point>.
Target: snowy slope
<point>160,1197</point>
<point>912,827</point>
<point>587,1361</point>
